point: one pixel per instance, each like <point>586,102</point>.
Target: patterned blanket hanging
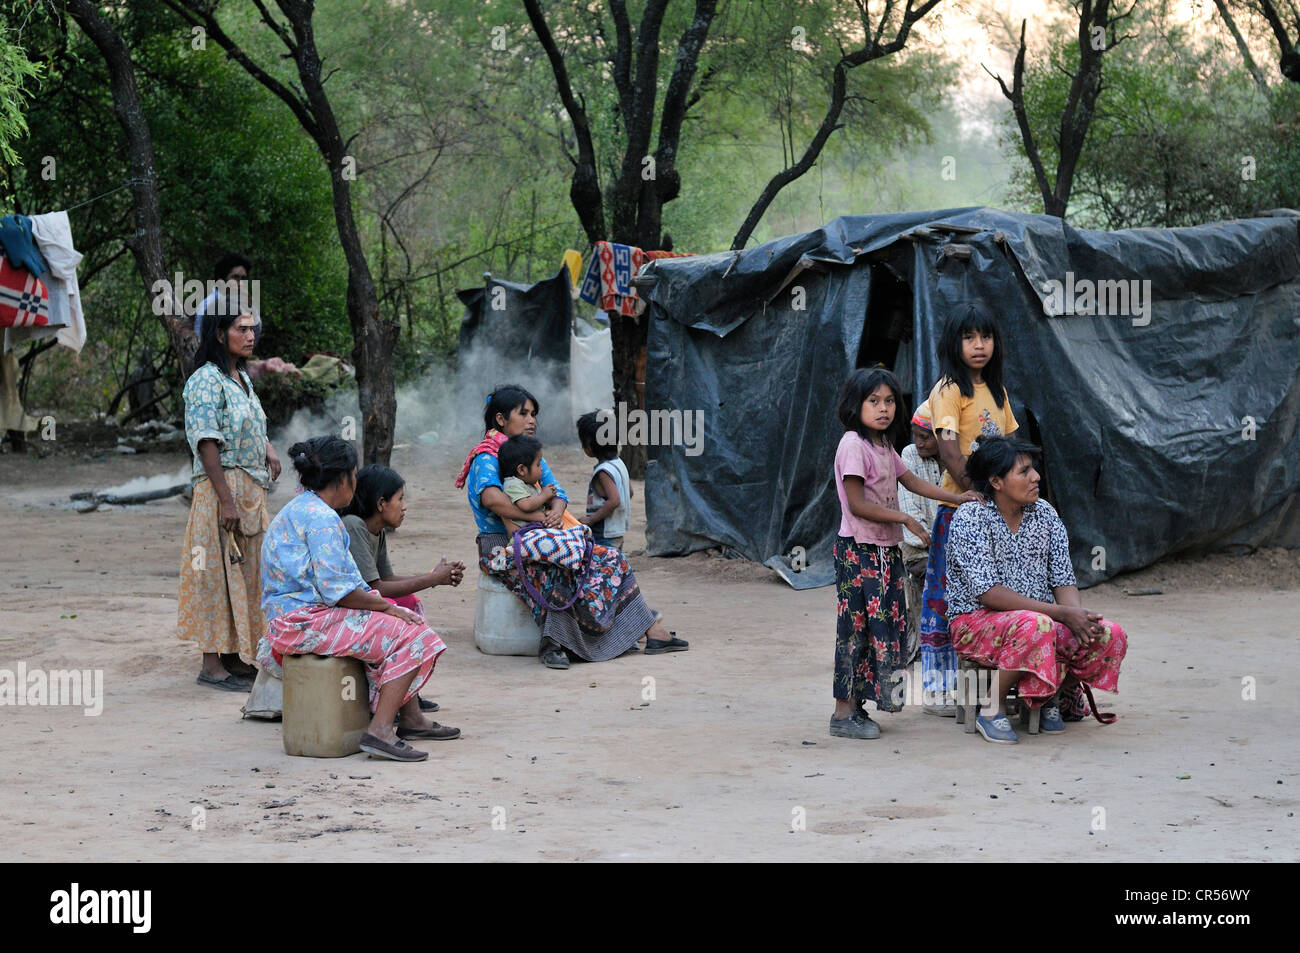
<point>24,299</point>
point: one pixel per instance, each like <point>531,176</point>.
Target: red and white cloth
<point>24,299</point>
<point>389,647</point>
<point>608,282</point>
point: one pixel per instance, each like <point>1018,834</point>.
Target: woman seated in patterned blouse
<point>316,603</point>
<point>1012,600</point>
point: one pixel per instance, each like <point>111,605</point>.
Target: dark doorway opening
<point>888,324</point>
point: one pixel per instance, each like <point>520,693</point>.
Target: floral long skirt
<point>938,660</point>
<point>608,616</point>
<point>389,647</point>
<point>1044,650</point>
<point>219,603</point>
<point>871,624</point>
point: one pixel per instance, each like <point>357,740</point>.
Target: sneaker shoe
<point>1049,719</point>
<point>997,730</point>
<point>854,727</point>
<point>555,657</point>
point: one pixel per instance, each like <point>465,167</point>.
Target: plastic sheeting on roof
<point>1169,428</point>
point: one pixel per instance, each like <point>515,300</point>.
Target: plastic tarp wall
<point>513,333</point>
<point>519,334</point>
<point>524,322</point>
<point>1170,427</point>
<point>591,372</point>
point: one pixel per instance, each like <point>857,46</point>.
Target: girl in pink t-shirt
<point>871,629</point>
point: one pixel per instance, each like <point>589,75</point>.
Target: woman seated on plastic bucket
<point>316,602</point>
<point>609,614</point>
<point>1012,600</point>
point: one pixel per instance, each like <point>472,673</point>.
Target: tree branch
<point>198,13</point>
<point>871,50</point>
<point>584,189</point>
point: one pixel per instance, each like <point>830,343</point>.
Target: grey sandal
<point>231,683</point>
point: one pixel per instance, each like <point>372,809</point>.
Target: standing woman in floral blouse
<point>1012,600</point>
<point>234,464</point>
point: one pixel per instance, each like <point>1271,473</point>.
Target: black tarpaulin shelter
<point>528,322</point>
<point>1166,431</point>
<point>517,333</point>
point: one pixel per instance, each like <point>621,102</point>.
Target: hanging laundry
<point>608,282</point>
<point>16,240</point>
<point>24,300</point>
<point>53,234</point>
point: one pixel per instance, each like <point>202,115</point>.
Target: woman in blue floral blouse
<point>234,465</point>
<point>316,603</point>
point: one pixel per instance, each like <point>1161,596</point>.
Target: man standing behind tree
<point>231,266</point>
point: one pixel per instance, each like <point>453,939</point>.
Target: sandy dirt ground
<point>730,761</point>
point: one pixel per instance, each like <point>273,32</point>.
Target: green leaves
<point>15,70</point>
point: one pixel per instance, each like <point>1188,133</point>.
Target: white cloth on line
<point>53,235</point>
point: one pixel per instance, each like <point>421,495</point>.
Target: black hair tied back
<point>321,461</point>
<point>995,457</point>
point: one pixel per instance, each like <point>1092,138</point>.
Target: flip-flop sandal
<point>659,646</point>
<point>435,731</point>
<point>230,683</point>
<point>401,751</point>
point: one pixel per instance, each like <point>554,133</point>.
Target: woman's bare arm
<point>210,457</point>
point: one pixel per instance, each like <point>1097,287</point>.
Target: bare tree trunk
<point>872,49</point>
<point>1096,35</point>
<point>584,190</point>
<point>1288,56</point>
<point>146,242</point>
<point>374,337</point>
<point>1242,48</point>
<point>646,181</point>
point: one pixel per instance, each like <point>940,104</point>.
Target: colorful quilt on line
<point>608,282</point>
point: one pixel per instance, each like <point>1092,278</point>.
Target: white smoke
<point>444,406</point>
<point>162,481</point>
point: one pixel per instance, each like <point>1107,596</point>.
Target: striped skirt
<point>389,647</point>
<point>938,660</point>
<point>608,616</point>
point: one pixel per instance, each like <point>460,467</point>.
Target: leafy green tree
<point>230,176</point>
<point>1183,135</point>
<point>15,71</point>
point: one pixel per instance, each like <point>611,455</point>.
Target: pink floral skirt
<point>1044,650</point>
<point>389,647</point>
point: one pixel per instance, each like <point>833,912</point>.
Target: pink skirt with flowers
<point>1046,651</point>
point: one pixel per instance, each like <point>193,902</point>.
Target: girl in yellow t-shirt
<point>967,404</point>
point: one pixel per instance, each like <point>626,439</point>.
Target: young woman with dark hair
<point>967,404</point>
<point>234,466</point>
<point>316,603</point>
<point>609,615</point>
<point>378,505</point>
